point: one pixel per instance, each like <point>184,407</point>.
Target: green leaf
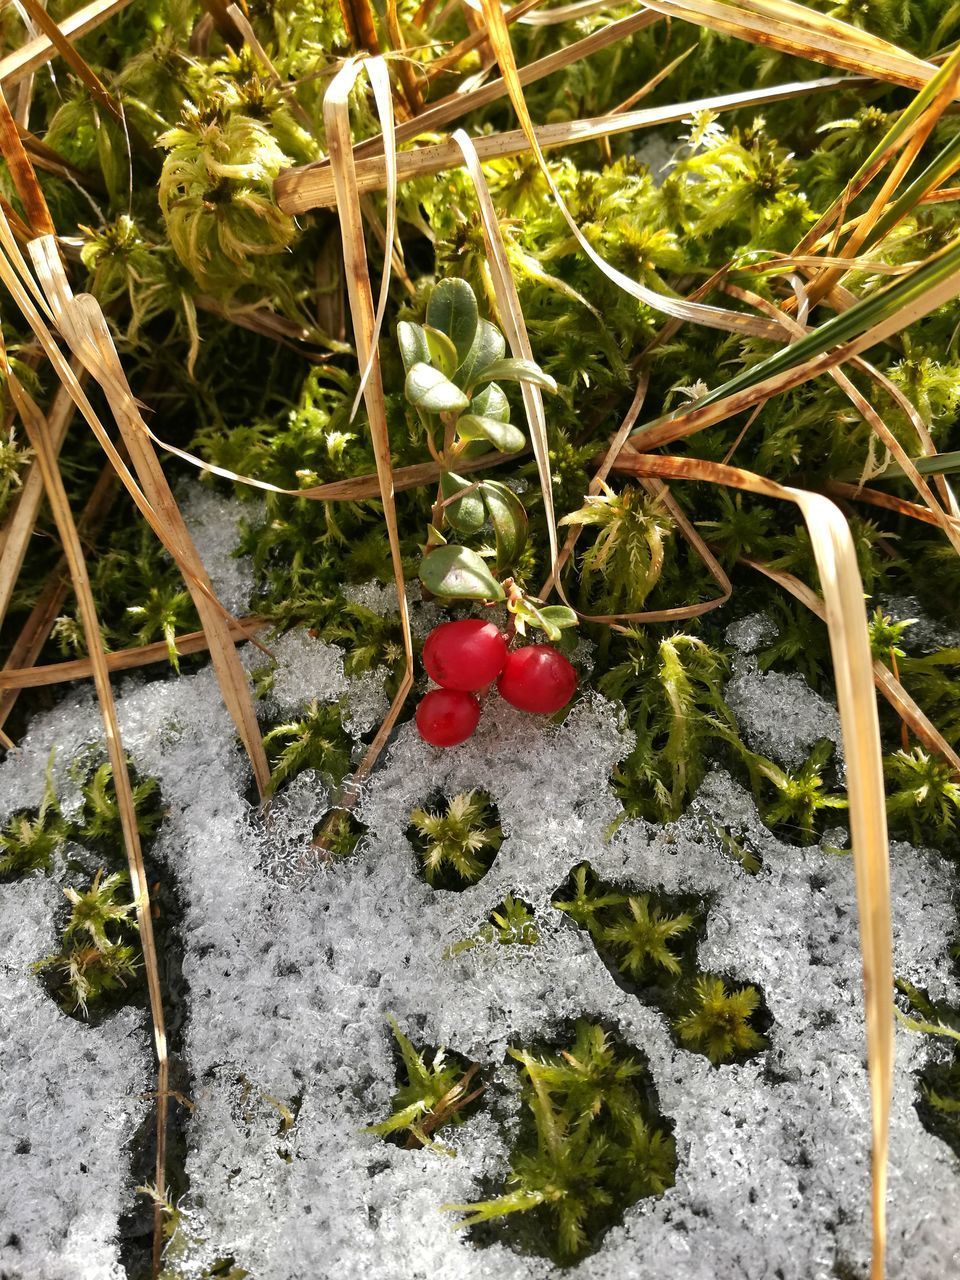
<point>466,515</point>
<point>519,371</point>
<point>491,402</point>
<point>459,572</point>
<point>502,435</point>
<point>453,310</point>
<point>509,522</point>
<point>556,618</point>
<point>426,388</point>
<point>488,346</point>
<point>412,342</point>
<point>443,354</point>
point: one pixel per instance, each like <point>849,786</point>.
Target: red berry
<point>447,716</point>
<point>537,678</point>
<point>468,654</point>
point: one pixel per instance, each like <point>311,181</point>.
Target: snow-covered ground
<point>291,981</point>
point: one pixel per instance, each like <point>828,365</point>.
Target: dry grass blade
<point>35,631</point>
<point>801,32</point>
<point>515,330</point>
<point>677,308</point>
<point>36,428</point>
<point>945,81</point>
<point>82,324</point>
<point>310,187</point>
<point>853,672</point>
<point>448,60</point>
<point>36,53</point>
<point>833,343</point>
<point>21,285</point>
<point>884,679</point>
<point>22,173</point>
<point>19,527</point>
<point>876,498</point>
<point>30,677</point>
<point>457,104</point>
<point>336,114</point>
<point>794,330</point>
<point>79,65</point>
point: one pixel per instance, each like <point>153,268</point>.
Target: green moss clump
<point>30,838</point>
<point>718,1024</point>
<point>99,951</point>
<point>512,923</point>
<point>649,941</point>
<point>317,740</point>
<point>591,1143</point>
<point>434,1092</point>
<point>456,840</point>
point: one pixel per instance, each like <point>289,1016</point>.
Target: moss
<point>436,1089</point>
<point>649,942</point>
<point>455,840</point>
<point>511,923</point>
<point>317,740</point>
<point>591,1143</point>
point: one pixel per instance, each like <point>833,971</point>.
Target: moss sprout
<point>718,1022</point>
<point>591,1143</point>
<point>435,1091</point>
<point>99,951</point>
<point>512,923</point>
<point>30,838</point>
<point>315,741</point>
<point>456,840</point>
<point>100,816</point>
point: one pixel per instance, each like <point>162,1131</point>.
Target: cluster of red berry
<point>466,656</point>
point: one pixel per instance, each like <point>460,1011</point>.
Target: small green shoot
<point>433,1094</point>
<point>457,845</point>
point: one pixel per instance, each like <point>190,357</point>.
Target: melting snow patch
<point>71,1101</point>
<point>779,715</point>
<point>291,984</point>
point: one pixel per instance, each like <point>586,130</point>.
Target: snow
<point>71,1102</point>
<point>291,978</point>
<point>779,715</point>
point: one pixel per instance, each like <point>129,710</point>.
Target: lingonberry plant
<point>454,364</point>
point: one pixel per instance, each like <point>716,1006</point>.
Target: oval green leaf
<point>426,388</point>
<point>443,354</point>
<point>519,371</point>
<point>467,514</point>
<point>554,618</point>
<point>509,522</point>
<point>412,342</point>
<point>453,310</point>
<point>502,435</point>
<point>459,572</point>
<point>488,347</point>
<point>491,402</point>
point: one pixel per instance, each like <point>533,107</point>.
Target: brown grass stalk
<point>336,114</point>
<point>36,630</point>
<point>802,33</point>
<point>13,678</point>
<point>18,528</point>
<point>82,324</point>
<point>886,681</point>
<point>22,172</point>
<point>36,53</point>
<point>36,428</point>
<point>853,672</point>
<point>311,187</point>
